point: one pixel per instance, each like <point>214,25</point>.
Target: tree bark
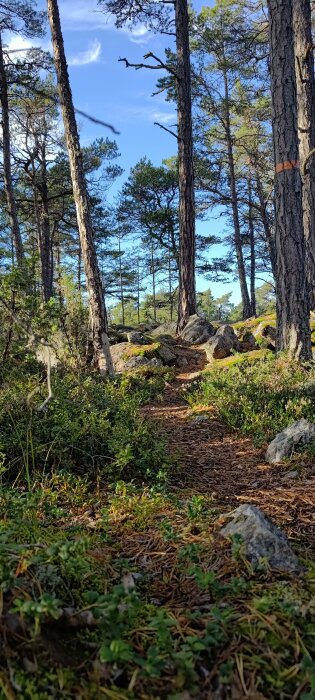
<point>98,317</point>
<point>269,236</point>
<point>121,285</point>
<point>45,241</point>
<point>7,172</point>
<point>305,83</point>
<point>153,282</point>
<point>293,328</point>
<point>252,253</point>
<point>187,285</point>
<point>236,221</point>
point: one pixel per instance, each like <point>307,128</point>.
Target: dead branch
<point>169,131</point>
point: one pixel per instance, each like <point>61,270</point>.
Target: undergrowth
<point>126,594</point>
<point>259,399</point>
<point>91,426</point>
<point>125,591</point>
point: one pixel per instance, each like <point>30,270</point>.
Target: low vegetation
<point>91,426</point>
<point>113,583</point>
<point>258,395</point>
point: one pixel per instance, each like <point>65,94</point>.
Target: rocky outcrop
<point>247,342</point>
<point>267,334</point>
<point>166,354</point>
<point>137,338</point>
<point>263,542</point>
<point>285,443</point>
<point>198,330</point>
<point>222,344</point>
<point>167,328</point>
<point>128,357</point>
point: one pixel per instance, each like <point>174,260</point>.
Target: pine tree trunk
<point>305,83</point>
<point>236,221</point>
<point>252,253</point>
<point>98,317</point>
<point>138,291</point>
<point>45,236</point>
<point>293,328</point>
<point>122,298</point>
<point>187,288</point>
<point>7,172</point>
<point>270,241</point>
<point>153,283</point>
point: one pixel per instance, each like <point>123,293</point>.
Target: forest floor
<point>225,465</point>
<point>127,592</point>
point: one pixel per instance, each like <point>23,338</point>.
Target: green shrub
<point>260,399</point>
<point>90,426</point>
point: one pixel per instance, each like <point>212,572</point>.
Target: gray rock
<point>166,354</point>
<point>222,344</point>
<point>247,342</point>
<point>266,332</point>
<point>285,443</point>
<point>167,328</point>
<point>262,540</point>
<point>137,338</point>
<point>165,339</point>
<point>293,474</point>
<point>123,361</point>
<point>197,330</point>
<point>140,361</point>
<point>201,418</point>
<point>181,361</point>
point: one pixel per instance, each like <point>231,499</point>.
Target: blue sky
<point>104,88</point>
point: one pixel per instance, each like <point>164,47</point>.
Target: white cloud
<point>164,117</point>
<point>79,15</point>
<point>91,55</point>
<point>17,45</point>
<point>149,114</point>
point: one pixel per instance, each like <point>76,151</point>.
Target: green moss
<point>241,358</point>
<point>142,350</point>
<point>252,323</point>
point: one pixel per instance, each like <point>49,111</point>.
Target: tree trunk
<point>98,317</point>
<point>153,282</point>
<point>45,242</point>
<point>252,253</point>
<point>305,84</point>
<point>236,221</point>
<point>170,289</point>
<point>187,288</point>
<point>121,284</point>
<point>293,328</point>
<point>138,290</point>
<point>270,241</point>
<point>7,172</point>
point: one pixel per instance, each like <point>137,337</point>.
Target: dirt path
<point>214,461</point>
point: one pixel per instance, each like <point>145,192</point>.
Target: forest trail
<point>215,461</point>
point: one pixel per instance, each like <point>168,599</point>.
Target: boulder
<point>181,362</point>
<point>267,333</point>
<point>222,344</point>
<point>137,338</point>
<point>165,339</point>
<point>167,355</point>
<point>124,361</point>
<point>198,330</point>
<point>247,342</point>
<point>167,328</point>
<point>263,542</point>
<point>285,443</point>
